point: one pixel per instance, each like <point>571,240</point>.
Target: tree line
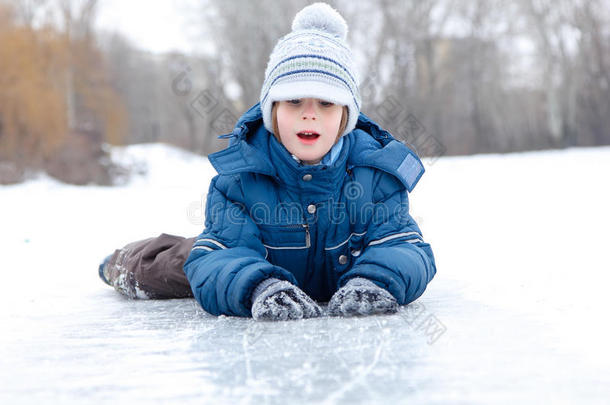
<point>446,76</point>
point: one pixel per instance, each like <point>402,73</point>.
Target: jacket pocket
<point>285,237</point>
<point>287,246</point>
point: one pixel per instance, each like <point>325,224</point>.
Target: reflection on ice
<point>141,351</point>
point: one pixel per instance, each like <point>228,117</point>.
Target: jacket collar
<point>249,150</point>
<point>375,147</point>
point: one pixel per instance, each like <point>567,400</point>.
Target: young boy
<point>309,205</point>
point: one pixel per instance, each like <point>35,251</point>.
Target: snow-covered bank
<point>520,294</point>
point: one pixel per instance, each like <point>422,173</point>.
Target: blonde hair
<point>276,130</point>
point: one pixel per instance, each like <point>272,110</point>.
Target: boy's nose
<point>309,111</point>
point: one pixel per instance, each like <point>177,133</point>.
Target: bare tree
<point>593,99</point>
<point>549,22</point>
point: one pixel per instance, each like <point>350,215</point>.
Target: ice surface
<point>516,314</point>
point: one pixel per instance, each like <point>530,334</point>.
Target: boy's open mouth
<point>308,135</point>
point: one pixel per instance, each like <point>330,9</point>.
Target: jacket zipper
<point>307,236</point>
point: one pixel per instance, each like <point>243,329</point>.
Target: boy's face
<point>308,127</point>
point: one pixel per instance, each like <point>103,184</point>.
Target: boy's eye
<point>294,101</point>
<point>326,103</point>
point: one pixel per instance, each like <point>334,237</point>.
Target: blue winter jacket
<point>315,226</point>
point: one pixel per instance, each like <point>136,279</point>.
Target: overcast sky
<point>155,25</point>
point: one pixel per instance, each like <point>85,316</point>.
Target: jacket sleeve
<point>227,260</point>
<point>395,256</point>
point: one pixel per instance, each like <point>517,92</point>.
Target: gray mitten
<point>360,296</point>
<point>278,300</point>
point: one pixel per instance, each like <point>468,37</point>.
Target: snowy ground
<point>517,313</point>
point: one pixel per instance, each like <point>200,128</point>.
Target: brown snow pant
<point>151,268</point>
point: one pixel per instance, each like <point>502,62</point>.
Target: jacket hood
<point>371,146</point>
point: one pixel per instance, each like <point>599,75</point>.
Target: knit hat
<point>312,61</point>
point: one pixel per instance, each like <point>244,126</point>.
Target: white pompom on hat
<point>320,16</point>
<point>313,61</point>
